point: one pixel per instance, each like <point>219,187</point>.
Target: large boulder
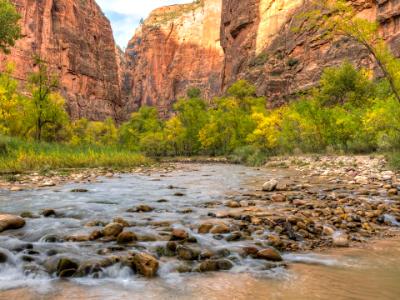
<point>145,264</point>
<point>10,222</point>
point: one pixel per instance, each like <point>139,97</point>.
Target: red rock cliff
<point>260,44</point>
<point>177,47</point>
<point>76,39</point>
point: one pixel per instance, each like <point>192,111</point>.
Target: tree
<point>11,104</point>
<point>338,17</point>
<point>9,28</point>
<point>344,85</point>
<point>141,123</point>
<point>46,108</point>
<point>192,115</point>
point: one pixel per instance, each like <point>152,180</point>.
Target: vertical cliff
<point>260,44</point>
<point>177,47</point>
<point>76,40</point>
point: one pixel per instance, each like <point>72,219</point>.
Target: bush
<point>249,155</point>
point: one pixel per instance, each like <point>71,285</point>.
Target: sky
<point>125,15</point>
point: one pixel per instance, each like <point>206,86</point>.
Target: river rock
<point>126,237</point>
<point>95,223</point>
<point>79,191</point>
<point>145,264</point>
<point>328,231</point>
<point>48,212</point>
<point>269,254</point>
<point>112,229</point>
<point>340,240</point>
<point>179,234</point>
<point>3,257</point>
<point>220,229</point>
<point>47,183</point>
<point>121,221</point>
<point>95,235</point>
<point>232,204</point>
<point>67,267</point>
<point>187,253</point>
<point>141,208</point>
<point>278,198</point>
<point>270,185</point>
<point>205,228</point>
<point>10,222</point>
<point>213,265</point>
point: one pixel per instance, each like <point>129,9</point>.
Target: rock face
<point>261,46</point>
<point>76,40</point>
<point>177,47</point>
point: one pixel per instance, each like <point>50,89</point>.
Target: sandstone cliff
<point>261,46</point>
<point>76,40</point>
<point>177,47</point>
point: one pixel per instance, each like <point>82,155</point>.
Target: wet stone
<point>8,222</point>
<point>112,230</point>
<point>141,208</point>
<point>187,253</point>
<point>269,254</point>
<point>145,264</point>
<point>126,237</point>
<point>48,213</point>
<point>179,234</point>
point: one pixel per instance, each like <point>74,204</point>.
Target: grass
<point>394,160</point>
<point>18,156</point>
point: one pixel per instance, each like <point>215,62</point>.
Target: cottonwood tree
<point>339,18</point>
<point>10,31</point>
<point>46,107</point>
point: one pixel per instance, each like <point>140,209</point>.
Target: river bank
<point>193,218</point>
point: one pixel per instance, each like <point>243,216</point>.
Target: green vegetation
<point>9,29</point>
<point>348,112</point>
<point>17,155</point>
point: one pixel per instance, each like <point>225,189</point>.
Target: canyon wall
<point>176,47</point>
<point>76,40</point>
<point>261,46</point>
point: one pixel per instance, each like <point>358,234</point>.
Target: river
<point>180,198</point>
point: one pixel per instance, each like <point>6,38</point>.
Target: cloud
<point>125,15</point>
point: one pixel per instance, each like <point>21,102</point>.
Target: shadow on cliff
<point>292,62</point>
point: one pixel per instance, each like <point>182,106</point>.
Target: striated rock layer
<point>260,44</point>
<point>76,40</point>
<point>177,47</point>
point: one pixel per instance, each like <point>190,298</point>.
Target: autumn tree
<point>46,108</point>
<point>339,18</point>
<point>9,28</point>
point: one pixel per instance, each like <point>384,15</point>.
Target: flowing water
<point>181,199</point>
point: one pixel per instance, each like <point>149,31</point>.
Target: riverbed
<point>181,198</point>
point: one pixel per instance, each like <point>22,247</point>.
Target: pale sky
<point>126,14</point>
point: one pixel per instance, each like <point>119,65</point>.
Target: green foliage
<point>33,156</point>
<point>345,85</point>
<point>11,104</point>
<point>94,133</point>
<point>46,117</point>
<point>194,93</point>
<point>339,18</point>
<point>9,28</point>
<point>143,122</point>
<point>249,155</point>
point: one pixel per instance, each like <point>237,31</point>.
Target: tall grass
<point>18,155</point>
